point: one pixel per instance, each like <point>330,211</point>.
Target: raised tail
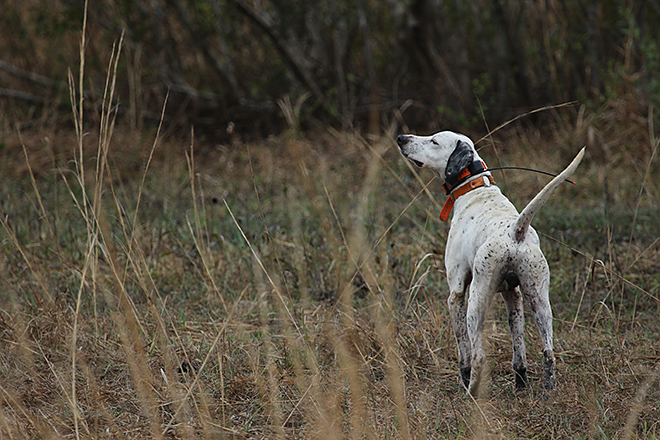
<point>527,214</point>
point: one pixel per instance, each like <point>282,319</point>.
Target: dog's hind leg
<point>536,292</point>
<point>515,314</point>
<point>481,293</point>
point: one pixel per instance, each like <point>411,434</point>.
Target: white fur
<point>488,239</point>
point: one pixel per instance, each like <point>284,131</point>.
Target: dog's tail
<point>527,214</point>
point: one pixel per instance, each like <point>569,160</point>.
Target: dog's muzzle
<point>402,141</point>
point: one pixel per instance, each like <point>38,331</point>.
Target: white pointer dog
<point>491,248</point>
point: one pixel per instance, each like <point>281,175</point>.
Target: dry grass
<point>160,287</point>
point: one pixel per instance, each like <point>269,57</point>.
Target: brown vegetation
<point>165,284</point>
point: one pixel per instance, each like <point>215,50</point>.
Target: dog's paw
<point>465,378</point>
<point>521,378</point>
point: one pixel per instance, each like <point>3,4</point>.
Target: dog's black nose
<point>402,140</point>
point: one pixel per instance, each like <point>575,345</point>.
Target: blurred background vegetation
<point>347,63</point>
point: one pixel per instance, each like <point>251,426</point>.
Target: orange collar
<point>473,184</point>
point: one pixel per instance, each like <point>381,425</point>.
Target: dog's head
<point>445,152</point>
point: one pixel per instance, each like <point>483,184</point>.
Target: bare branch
<point>298,69</point>
<point>222,67</point>
<point>34,77</point>
<point>25,96</point>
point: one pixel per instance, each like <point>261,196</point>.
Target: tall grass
<point>293,288</point>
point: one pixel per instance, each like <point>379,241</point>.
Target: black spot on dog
<point>462,156</point>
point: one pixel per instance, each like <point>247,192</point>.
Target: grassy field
<point>159,286</point>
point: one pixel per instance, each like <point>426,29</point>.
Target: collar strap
<point>476,167</point>
<point>473,184</point>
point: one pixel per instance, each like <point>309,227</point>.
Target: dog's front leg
<point>457,312</point>
<point>515,313</point>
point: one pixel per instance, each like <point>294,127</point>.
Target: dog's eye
<point>434,141</point>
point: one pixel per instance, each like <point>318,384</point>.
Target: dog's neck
<point>474,169</point>
<point>474,176</point>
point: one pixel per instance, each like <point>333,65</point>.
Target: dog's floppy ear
<point>462,156</point>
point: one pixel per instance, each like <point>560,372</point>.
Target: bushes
<point>232,59</point>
